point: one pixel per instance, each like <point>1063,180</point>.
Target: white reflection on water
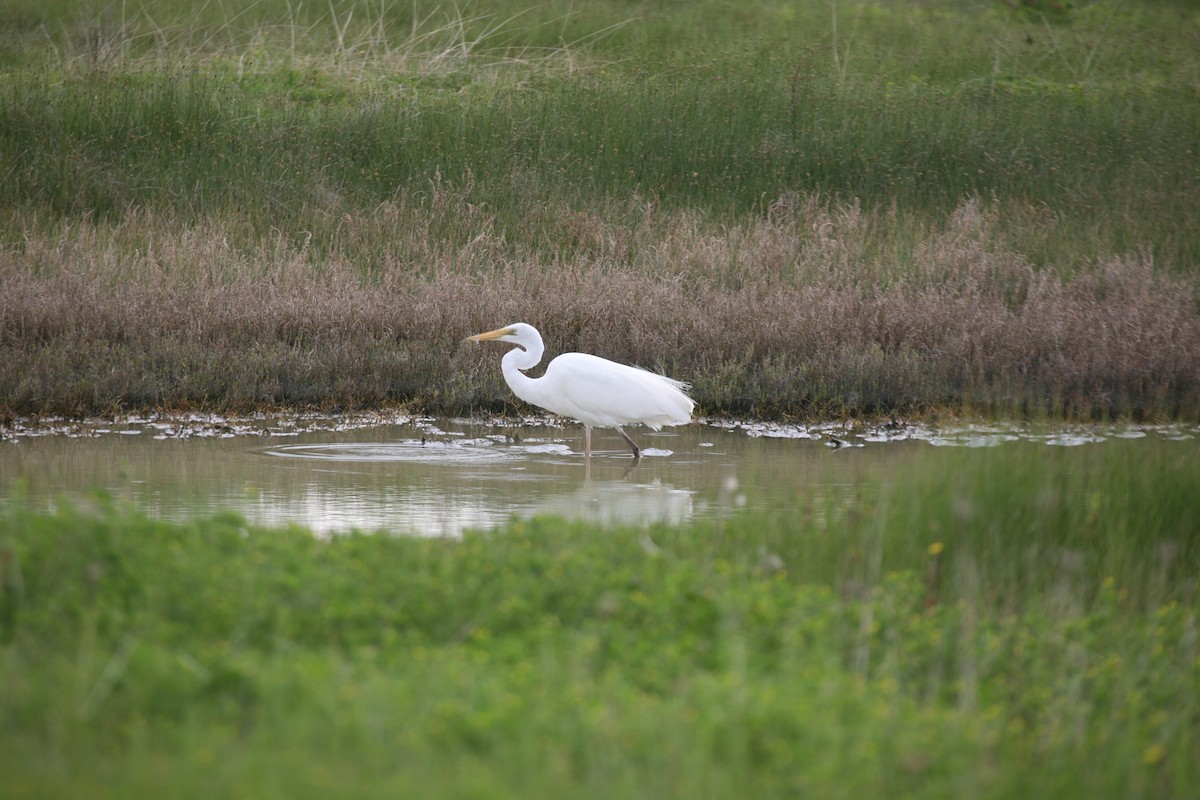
<point>327,509</point>
<point>495,480</point>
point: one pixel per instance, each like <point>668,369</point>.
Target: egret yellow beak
<point>483,337</point>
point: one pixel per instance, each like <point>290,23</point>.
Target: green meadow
<point>1008,622</point>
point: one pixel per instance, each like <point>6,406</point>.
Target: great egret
<point>590,389</point>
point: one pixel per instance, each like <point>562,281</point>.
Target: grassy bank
<point>947,637</point>
<point>800,208</point>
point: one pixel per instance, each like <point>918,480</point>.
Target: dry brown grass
<point>817,309</point>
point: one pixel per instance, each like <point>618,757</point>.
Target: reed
<point>820,309</point>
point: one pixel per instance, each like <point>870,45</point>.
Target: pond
<point>439,477</point>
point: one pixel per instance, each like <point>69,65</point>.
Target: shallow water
<point>439,477</point>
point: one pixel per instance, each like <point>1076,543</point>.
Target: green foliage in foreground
<point>998,626</point>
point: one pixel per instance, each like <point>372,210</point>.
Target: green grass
<point>1002,623</point>
<point>294,148</point>
<point>284,114</point>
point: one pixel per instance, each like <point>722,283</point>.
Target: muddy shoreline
<point>843,433</point>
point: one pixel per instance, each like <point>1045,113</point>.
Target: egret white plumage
<point>592,390</point>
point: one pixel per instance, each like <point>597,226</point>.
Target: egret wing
<point>603,393</point>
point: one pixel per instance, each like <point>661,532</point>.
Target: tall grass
<point>1000,623</point>
<point>822,309</point>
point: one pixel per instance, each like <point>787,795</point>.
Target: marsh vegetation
<point>802,209</point>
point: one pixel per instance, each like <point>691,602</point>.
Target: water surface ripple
<point>417,475</point>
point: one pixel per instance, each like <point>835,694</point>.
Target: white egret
<point>590,389</point>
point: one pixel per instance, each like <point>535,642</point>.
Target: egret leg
<point>637,451</point>
<point>587,443</point>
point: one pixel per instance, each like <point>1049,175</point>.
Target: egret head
<point>517,333</point>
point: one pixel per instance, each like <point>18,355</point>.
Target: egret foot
<point>637,451</point>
